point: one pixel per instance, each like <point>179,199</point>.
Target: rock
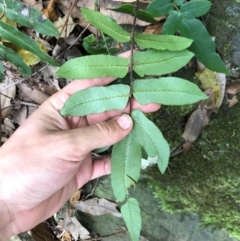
<point>223,22</point>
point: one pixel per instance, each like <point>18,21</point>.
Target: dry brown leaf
<point>195,124</point>
<point>34,3</point>
<point>98,206</point>
<point>75,198</point>
<point>233,88</point>
<point>75,228</point>
<point>66,237</point>
<point>105,6</point>
<point>31,93</point>
<point>6,96</point>
<point>8,127</point>
<point>42,232</point>
<point>154,29</point>
<point>20,115</point>
<point>233,101</point>
<point>50,11</point>
<point>68,28</point>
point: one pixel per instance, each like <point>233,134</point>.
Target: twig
<point>132,47</point>
<point>65,24</point>
<point>123,230</point>
<point>23,79</point>
<point>79,36</point>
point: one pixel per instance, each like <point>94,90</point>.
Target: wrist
<point>6,220</point>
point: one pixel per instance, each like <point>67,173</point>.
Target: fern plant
<point>28,17</point>
<point>162,54</point>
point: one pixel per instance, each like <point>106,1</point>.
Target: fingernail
<point>124,121</point>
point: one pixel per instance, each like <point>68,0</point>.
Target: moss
<point>206,180</point>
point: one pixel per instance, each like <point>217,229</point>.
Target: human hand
<point>49,156</point>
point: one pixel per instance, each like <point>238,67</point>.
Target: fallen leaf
<point>68,28</point>
<point>42,232</point>
<point>28,57</point>
<point>233,88</point>
<point>75,228</point>
<point>213,80</point>
<point>31,92</point>
<point>66,237</point>
<point>104,6</point>
<point>20,115</point>
<point>6,96</point>
<point>233,101</point>
<point>8,127</point>
<point>33,3</point>
<point>98,206</point>
<point>154,29</point>
<point>75,198</point>
<point>50,11</point>
<point>194,126</point>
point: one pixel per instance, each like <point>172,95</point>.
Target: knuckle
<point>105,129</point>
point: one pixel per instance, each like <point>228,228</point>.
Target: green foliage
<point>183,19</point>
<point>162,42</point>
<point>151,139</point>
<point>9,55</point>
<point>126,164</point>
<point>29,17</point>
<point>131,215</point>
<point>130,9</point>
<point>166,91</point>
<point>21,40</point>
<point>153,62</point>
<point>1,71</point>
<point>93,67</point>
<point>96,99</point>
<point>106,25</point>
<point>163,55</point>
<point>160,7</point>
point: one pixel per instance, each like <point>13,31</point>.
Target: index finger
<point>61,97</point>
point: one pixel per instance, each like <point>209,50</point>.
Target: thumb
<point>102,134</point>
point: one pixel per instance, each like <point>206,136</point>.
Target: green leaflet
<point>27,16</point>
<point>162,42</point>
<point>130,9</point>
<point>21,40</point>
<point>178,2</point>
<point>106,25</point>
<point>96,99</point>
<point>173,23</point>
<point>94,67</point>
<point>153,62</point>
<point>94,50</point>
<point>195,8</point>
<point>151,139</point>
<point>2,75</point>
<point>203,45</point>
<point>160,7</point>
<point>125,166</point>
<point>132,217</point>
<point>166,91</point>
<point>9,55</point>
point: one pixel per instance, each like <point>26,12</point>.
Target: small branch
<point>79,36</point>
<point>65,24</point>
<point>132,47</point>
